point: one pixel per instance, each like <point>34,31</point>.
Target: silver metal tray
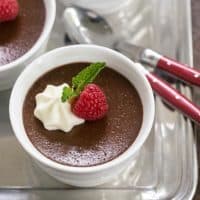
<point>166,167</point>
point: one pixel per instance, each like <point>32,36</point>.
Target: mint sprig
<point>67,93</point>
<point>84,77</point>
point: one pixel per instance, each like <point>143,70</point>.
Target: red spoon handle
<point>182,71</point>
<point>174,98</point>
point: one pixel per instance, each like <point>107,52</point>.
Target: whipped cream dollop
<point>52,112</point>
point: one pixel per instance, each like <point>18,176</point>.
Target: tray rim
<point>190,50</point>
<point>190,45</point>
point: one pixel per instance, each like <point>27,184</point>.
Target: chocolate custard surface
<point>19,35</point>
<point>91,143</point>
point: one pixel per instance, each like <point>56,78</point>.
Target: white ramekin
<point>10,71</point>
<point>82,176</point>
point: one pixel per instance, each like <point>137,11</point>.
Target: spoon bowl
<point>87,27</point>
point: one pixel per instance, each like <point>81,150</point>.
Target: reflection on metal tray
<point>166,167</point>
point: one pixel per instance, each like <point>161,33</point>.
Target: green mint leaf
<point>67,94</point>
<point>86,76</point>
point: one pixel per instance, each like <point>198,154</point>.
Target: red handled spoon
<point>86,26</point>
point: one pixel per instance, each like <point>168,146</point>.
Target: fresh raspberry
<point>91,104</point>
<point>9,10</point>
